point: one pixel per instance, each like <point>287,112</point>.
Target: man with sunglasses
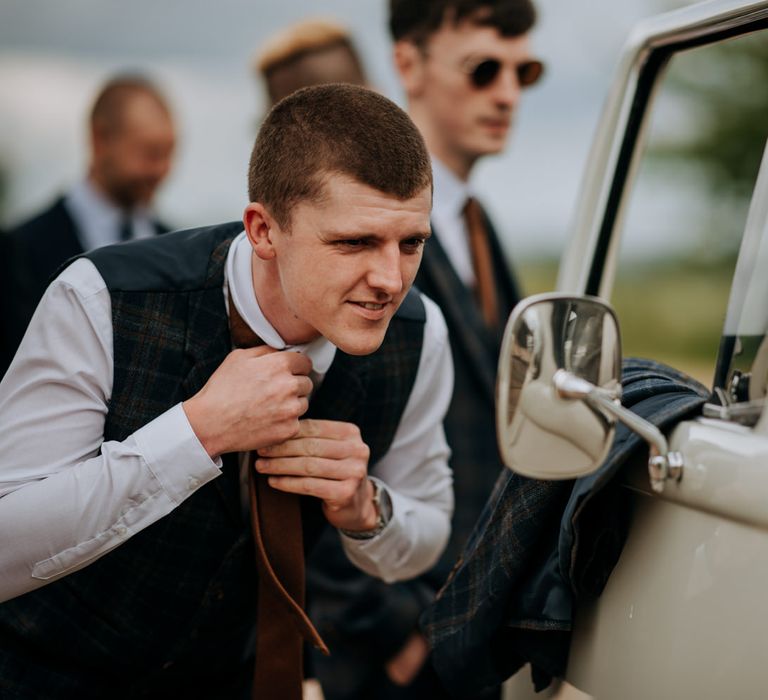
<point>463,64</point>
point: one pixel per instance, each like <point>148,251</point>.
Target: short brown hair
<point>110,104</point>
<point>416,20</point>
<point>325,129</point>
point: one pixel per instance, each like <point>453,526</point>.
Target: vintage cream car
<point>684,613</point>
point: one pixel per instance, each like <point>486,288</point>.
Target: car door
<point>672,230</point>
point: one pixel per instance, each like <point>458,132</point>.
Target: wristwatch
<point>383,504</point>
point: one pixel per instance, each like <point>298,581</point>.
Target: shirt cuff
<point>175,455</point>
<point>409,545</point>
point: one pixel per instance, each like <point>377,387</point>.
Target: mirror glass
<point>540,434</point>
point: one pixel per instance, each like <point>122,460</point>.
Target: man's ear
<point>258,227</point>
<point>409,63</point>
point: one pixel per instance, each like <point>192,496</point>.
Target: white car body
<point>685,612</point>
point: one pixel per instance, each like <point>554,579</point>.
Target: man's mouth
<point>498,124</point>
<point>371,310</point>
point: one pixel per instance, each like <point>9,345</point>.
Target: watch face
<point>383,503</point>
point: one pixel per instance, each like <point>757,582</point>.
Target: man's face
<point>344,266</point>
<point>130,162</point>
<point>462,122</point>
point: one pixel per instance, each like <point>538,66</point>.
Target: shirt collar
<point>98,219</point>
<point>86,195</point>
<point>450,192</point>
<point>91,207</point>
<point>240,283</point>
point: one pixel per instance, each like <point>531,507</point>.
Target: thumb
<point>260,351</point>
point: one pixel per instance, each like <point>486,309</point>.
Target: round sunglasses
<point>482,74</point>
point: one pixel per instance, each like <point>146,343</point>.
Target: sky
<point>54,55</point>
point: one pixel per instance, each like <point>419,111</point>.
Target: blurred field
<point>671,311</point>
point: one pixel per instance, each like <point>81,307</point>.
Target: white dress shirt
<point>448,200</point>
<point>67,497</point>
<point>98,220</point>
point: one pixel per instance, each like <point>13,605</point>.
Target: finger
<point>333,492</point>
<point>328,429</point>
<point>317,467</point>
<point>298,446</point>
<point>297,363</point>
<point>304,386</point>
<point>258,351</point>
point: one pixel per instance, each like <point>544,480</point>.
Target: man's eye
<point>413,244</point>
<point>352,243</point>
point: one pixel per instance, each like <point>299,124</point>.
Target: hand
<point>404,666</point>
<point>252,400</point>
<point>329,460</point>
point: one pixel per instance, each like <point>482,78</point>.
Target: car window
<point>686,211</point>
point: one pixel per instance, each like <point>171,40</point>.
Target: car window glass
<point>685,214</point>
<point>742,369</point>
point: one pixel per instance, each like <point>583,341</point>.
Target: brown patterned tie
<point>281,625</point>
<point>482,263</point>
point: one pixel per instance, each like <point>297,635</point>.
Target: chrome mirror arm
<point>662,464</point>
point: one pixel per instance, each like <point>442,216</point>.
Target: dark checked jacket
<point>539,547</point>
<point>170,612</point>
<point>364,620</point>
<point>29,254</point>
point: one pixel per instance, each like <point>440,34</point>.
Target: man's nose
<point>386,273</point>
<point>506,88</point>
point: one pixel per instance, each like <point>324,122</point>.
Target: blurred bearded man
<point>132,139</point>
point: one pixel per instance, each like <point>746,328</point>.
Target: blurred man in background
<point>132,139</point>
<point>312,52</point>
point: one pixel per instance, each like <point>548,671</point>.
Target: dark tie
<point>482,263</point>
<point>126,228</point>
<point>281,624</point>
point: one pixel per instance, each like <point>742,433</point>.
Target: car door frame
<point>589,262</point>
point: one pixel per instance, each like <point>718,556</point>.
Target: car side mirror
<point>558,391</point>
<point>540,433</point>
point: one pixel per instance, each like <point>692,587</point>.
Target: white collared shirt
<point>98,220</point>
<point>448,201</point>
<point>320,351</point>
<point>67,497</point>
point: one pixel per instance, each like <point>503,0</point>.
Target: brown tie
<point>482,263</point>
<point>281,624</point>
